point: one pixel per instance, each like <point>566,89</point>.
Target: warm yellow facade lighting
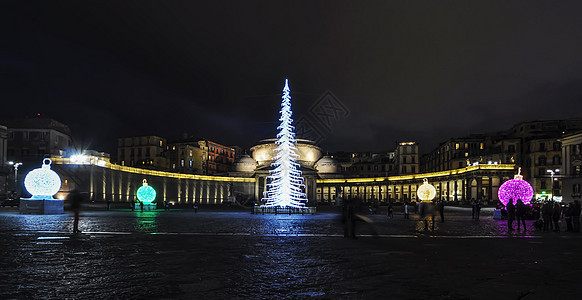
<point>106,163</point>
<point>421,176</point>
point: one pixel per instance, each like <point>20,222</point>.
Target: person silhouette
<point>510,214</point>
<point>75,199</point>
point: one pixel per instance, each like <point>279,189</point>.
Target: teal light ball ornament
<point>43,182</point>
<point>146,193</point>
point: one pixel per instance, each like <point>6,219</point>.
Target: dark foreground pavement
<point>226,255</point>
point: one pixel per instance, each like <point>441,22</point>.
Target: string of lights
<point>285,187</point>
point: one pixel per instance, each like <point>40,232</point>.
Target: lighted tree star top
<point>515,189</point>
<point>286,184</point>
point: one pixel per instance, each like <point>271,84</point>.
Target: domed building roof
<point>327,165</point>
<point>245,164</point>
<point>264,153</point>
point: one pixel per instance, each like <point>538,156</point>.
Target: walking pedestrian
<point>547,211</point>
<point>477,209</point>
<point>141,205</point>
<point>521,211</point>
<point>424,210</point>
<point>576,216</point>
<point>556,214</point>
<point>406,211</point>
<point>196,207</point>
<point>510,214</point>
<point>75,199</point>
<point>441,206</point>
<point>568,217</point>
<point>474,206</point>
<point>390,212</point>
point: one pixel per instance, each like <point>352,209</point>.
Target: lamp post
<point>552,173</point>
<point>15,165</point>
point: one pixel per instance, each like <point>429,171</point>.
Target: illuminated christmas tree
<point>285,187</point>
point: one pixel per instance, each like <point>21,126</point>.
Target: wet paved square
<point>235,255</point>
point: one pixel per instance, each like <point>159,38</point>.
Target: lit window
<point>457,146</point>
<point>466,154</point>
<point>482,146</point>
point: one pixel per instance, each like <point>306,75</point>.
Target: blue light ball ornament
<point>43,182</point>
<point>146,193</point>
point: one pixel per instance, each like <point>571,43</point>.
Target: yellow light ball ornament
<point>426,192</point>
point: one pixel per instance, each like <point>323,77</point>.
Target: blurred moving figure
<point>75,198</point>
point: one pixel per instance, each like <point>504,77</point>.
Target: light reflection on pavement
<point>214,254</point>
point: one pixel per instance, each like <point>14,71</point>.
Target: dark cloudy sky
<point>406,70</point>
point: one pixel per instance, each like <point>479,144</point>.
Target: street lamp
<point>15,165</point>
<point>552,173</point>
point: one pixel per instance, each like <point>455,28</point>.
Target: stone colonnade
<point>120,186</point>
<point>456,186</point>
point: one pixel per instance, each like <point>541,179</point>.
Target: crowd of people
<point>547,215</point>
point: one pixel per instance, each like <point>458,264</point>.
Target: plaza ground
<point>218,254</point>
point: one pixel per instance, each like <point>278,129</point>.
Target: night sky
<point>420,71</point>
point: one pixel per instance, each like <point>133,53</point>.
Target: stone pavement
<point>235,255</point>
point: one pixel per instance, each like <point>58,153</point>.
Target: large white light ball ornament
<point>146,193</point>
<point>426,192</point>
<point>43,182</point>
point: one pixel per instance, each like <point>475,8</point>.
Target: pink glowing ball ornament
<point>516,189</point>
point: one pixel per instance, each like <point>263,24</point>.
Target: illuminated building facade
<point>534,146</point>
<point>571,170</point>
<point>407,158</point>
<point>143,152</point>
<point>5,169</point>
<point>324,185</point>
<point>3,143</point>
<point>219,158</point>
<point>186,157</point>
<point>30,140</point>
<point>364,164</point>
<point>264,155</point>
<point>104,180</point>
<point>458,185</point>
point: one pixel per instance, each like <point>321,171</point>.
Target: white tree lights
<point>286,184</point>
